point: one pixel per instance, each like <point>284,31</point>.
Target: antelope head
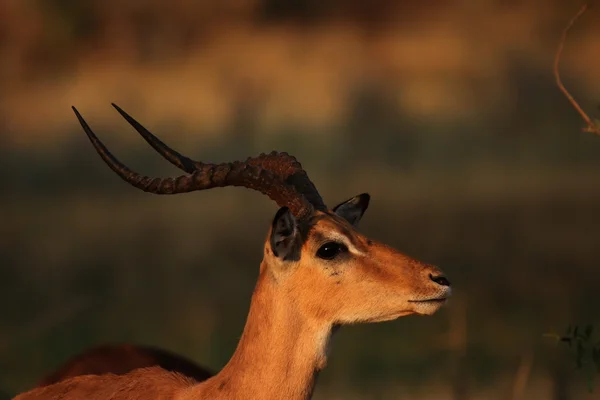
<point>338,275</point>
<point>314,254</point>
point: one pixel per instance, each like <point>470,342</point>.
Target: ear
<point>285,238</point>
<point>353,209</point>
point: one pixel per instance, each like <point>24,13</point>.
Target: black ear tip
<point>365,198</point>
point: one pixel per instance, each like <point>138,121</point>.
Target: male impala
<point>317,273</point>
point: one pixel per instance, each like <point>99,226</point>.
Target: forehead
<point>328,225</point>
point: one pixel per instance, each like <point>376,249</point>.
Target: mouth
<point>436,300</point>
<point>428,306</point>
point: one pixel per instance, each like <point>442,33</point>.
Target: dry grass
<point>449,64</point>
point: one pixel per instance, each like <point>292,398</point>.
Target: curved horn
<point>180,161</point>
<point>285,166</point>
<point>281,181</point>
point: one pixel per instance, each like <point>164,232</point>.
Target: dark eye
<point>330,250</point>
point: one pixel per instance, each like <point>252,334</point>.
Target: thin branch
<point>591,126</point>
<point>522,376</point>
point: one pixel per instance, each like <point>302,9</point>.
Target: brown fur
<point>293,309</point>
<point>140,384</point>
<point>120,359</point>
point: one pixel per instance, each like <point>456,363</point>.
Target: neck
<point>279,354</point>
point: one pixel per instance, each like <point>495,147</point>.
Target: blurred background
<point>446,112</point>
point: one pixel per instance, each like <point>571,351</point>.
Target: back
<point>122,359</point>
<point>152,383</point>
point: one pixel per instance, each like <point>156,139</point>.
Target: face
<point>340,276</point>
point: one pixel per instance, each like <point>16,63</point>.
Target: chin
<point>388,317</point>
<point>428,307</point>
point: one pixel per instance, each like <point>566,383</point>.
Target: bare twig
<point>591,125</point>
<point>522,376</point>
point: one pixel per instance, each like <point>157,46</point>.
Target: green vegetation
<point>585,350</point>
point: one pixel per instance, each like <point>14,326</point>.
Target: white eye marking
<point>338,237</point>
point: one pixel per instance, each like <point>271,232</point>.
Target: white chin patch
<point>428,307</point>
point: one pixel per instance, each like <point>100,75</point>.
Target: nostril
<point>440,280</point>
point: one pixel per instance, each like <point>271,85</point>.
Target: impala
<point>318,272</point>
<point>120,359</point>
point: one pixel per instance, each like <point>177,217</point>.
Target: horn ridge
<point>271,174</point>
<point>282,164</point>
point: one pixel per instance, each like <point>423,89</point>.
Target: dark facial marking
<point>307,226</point>
<point>304,230</point>
<point>222,385</point>
<point>318,237</point>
